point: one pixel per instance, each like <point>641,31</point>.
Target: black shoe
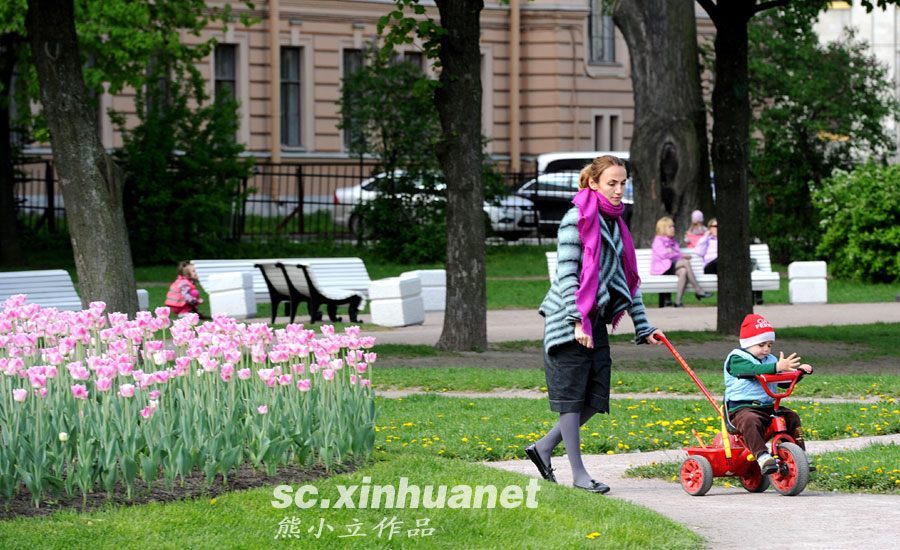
<point>544,469</point>
<point>702,295</point>
<point>678,305</point>
<point>595,487</point>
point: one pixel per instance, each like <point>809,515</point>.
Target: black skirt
<point>578,376</point>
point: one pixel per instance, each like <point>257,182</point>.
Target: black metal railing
<point>316,200</point>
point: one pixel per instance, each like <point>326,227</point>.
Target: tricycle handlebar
<point>791,376</point>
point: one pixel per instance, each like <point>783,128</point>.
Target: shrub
<point>860,213</point>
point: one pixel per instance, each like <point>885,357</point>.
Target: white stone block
<point>807,270</point>
<point>808,291</point>
<point>398,312</point>
<point>231,294</point>
<point>434,287</point>
<point>143,299</point>
<point>394,287</point>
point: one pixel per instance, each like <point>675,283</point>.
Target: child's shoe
<point>767,464</point>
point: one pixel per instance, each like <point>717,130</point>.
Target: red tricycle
<point>727,456</point>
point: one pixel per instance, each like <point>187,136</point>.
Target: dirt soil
<point>194,486</point>
<point>835,358</point>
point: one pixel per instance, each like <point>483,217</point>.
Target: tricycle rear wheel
<point>696,475</point>
<point>793,470</point>
<point>753,480</point>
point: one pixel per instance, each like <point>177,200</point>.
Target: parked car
<point>511,216</point>
<point>557,182</point>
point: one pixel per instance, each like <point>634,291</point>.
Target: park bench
<point>332,273</point>
<point>323,283</point>
<point>762,278</point>
<point>50,288</point>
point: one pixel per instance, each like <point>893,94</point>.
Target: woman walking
<point>596,283</point>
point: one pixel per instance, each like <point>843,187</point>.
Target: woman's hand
<point>582,338</point>
<point>655,338</point>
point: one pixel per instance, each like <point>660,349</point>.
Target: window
<point>415,59</point>
<point>226,72</point>
<point>601,35</point>
<point>290,97</point>
<point>353,61</point>
<point>607,132</point>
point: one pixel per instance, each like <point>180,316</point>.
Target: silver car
<point>511,217</point>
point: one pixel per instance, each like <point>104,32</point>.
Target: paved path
<point>733,518</point>
<point>525,324</point>
<point>536,394</point>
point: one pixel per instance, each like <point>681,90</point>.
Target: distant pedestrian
<point>183,296</point>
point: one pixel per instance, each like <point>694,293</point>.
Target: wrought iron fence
<point>311,200</point>
<point>39,202</point>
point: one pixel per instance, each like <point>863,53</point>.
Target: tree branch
<point>711,9</point>
<point>768,5</point>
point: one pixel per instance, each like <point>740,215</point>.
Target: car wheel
<point>356,225</point>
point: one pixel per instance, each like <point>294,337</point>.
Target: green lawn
<point>499,428</point>
<point>247,519</point>
<point>873,469</point>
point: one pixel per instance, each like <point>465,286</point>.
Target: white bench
<point>345,273</point>
<point>808,282</point>
<point>762,278</point>
<point>50,288</point>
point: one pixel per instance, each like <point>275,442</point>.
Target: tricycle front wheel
<point>793,470</point>
<point>696,475</point>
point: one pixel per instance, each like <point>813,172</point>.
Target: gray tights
<point>567,430</point>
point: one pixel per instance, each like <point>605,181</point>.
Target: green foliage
<point>388,108</point>
<point>181,207</point>
<point>860,214</point>
<point>817,108</point>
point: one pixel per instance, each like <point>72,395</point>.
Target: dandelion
<point>593,535</point>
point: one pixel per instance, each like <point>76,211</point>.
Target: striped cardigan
<point>558,307</point>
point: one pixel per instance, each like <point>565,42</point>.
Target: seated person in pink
<point>708,248</point>
<point>696,231</point>
<point>667,259</point>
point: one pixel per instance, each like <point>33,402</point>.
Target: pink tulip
<point>147,411</point>
<point>244,374</point>
<point>353,379</point>
<point>103,384</point>
<point>361,368</point>
<point>262,409</point>
<point>327,331</point>
<point>42,392</point>
<point>126,390</point>
<point>79,391</point>
<point>162,312</point>
<point>303,385</point>
<point>154,394</point>
<point>365,382</point>
<point>20,395</point>
<point>327,374</point>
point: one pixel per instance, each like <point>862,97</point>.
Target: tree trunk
<point>10,251</point>
<point>731,155</point>
<point>458,102</point>
<point>669,146</point>
<point>91,182</point>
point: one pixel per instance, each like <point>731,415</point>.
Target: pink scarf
<point>590,205</point>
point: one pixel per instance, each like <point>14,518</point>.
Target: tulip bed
<point>91,401</point>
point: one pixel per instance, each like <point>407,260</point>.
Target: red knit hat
<point>756,330</point>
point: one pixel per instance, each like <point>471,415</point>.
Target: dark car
<point>552,195</point>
